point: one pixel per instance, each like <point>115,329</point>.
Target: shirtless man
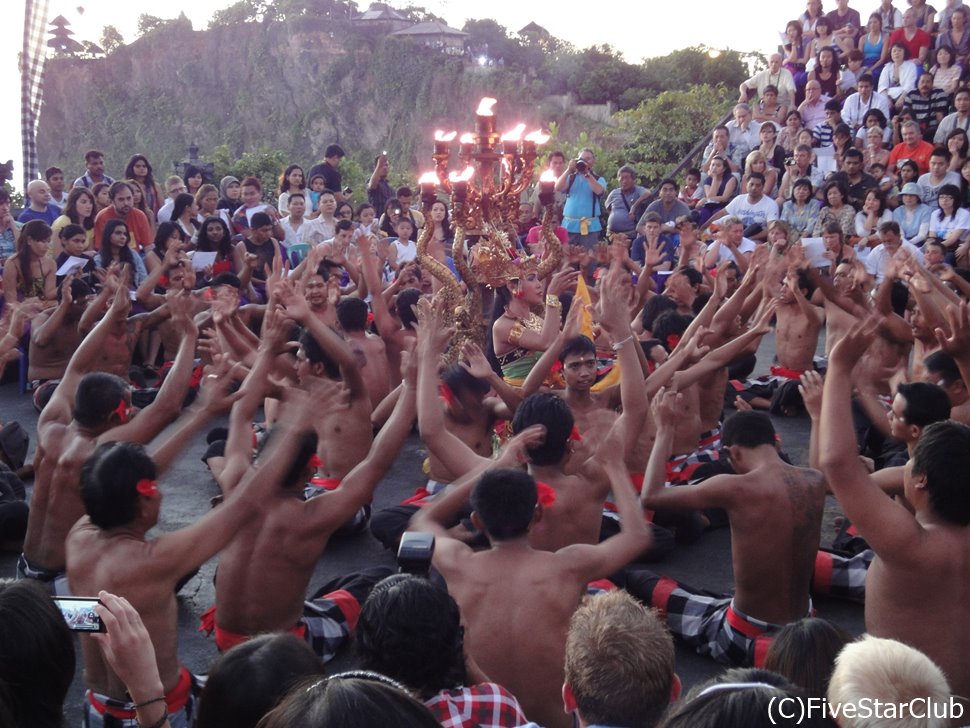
<point>345,433</point>
<point>265,570</point>
<point>942,369</point>
<point>89,408</point>
<point>54,336</point>
<point>108,549</point>
<point>573,478</point>
<point>915,585</point>
<point>775,514</point>
<point>847,281</point>
<point>517,601</point>
<point>369,350</point>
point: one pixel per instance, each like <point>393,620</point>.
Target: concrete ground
<point>188,487</point>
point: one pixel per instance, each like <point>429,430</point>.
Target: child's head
<point>854,60</point>
<point>366,214</point>
<point>318,183</point>
<point>404,228</point>
<point>73,239</point>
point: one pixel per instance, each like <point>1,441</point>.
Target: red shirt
<point>138,227</point>
<point>920,155</point>
<point>920,40</point>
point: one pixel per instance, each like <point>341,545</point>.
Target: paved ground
<point>188,487</point>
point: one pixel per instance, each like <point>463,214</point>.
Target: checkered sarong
<point>842,576</point>
<point>711,624</point>
<point>33,58</point>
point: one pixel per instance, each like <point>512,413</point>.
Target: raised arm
<point>889,528</point>
<point>432,336</point>
<point>475,363</point>
<point>540,370</point>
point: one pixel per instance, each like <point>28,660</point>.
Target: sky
<point>653,28</point>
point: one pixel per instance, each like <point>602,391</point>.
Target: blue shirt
<point>49,215</point>
<point>581,202</point>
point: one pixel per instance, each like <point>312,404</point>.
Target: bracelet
<point>553,301</point>
<point>515,333</point>
<point>159,699</point>
<point>619,344</point>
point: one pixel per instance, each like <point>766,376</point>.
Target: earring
<point>518,294</point>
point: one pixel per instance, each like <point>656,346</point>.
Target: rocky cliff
<point>295,87</point>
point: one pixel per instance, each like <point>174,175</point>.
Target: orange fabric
<point>138,227</point>
<point>822,578</point>
<point>226,640</point>
<point>661,594</point>
<point>793,374</point>
<point>175,700</point>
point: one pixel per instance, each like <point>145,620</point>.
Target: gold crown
<point>497,262</point>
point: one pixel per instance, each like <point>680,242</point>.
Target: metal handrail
<point>686,162</point>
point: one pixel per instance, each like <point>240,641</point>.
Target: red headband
<point>146,487</point>
<point>444,391</point>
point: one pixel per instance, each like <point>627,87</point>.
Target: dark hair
<point>405,300</point>
<point>33,230</point>
<point>941,151</point>
<point>251,181</point>
<point>853,153</point>
<point>5,196</point>
<point>577,346</point>
<point>751,176</point>
<point>554,414</point>
<point>130,169</point>
<point>98,395</point>
<point>459,379</point>
<point>252,678</point>
<point>897,44</point>
<point>837,185</point>
<point>70,209</point>
<point>300,195</point>
<point>833,104</point>
<point>226,279</point>
<point>925,403</point>
<point>410,630</point>
<point>285,178</point>
<point>260,219</point>
<point>943,364</point>
<point>38,656</point>
<point>182,203</point>
<point>334,150</point>
<point>69,231</point>
<point>670,323</point>
<point>942,455</point>
<point>748,429</point>
<point>965,147</point>
<point>405,191</point>
<point>316,354</point>
<point>125,254</point>
<point>193,171</point>
<point>117,187</point>
<point>741,702</point>
<point>877,115</point>
<point>350,702</point>
<point>505,500</point>
<point>204,244</point>
<point>865,77</point>
<point>162,236</point>
<point>362,207</point>
<point>557,153</point>
<point>108,482</point>
<point>92,154</point>
<point>880,197</point>
<point>803,182</point>
<point>953,192</point>
<point>805,651</point>
<point>695,277</point>
<point>79,289</point>
<point>343,225</point>
<point>352,314</point>
<point>51,171</point>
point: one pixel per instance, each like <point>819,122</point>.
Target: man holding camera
<point>581,215</point>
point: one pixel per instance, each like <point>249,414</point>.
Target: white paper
<point>71,264</point>
<point>815,252</point>
<point>201,259</point>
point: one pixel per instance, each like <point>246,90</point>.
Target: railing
<point>689,159</point>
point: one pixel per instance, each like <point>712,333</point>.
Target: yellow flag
<point>582,299</point>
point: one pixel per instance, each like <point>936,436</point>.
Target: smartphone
<point>79,613</point>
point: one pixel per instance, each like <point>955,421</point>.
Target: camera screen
<point>79,613</point>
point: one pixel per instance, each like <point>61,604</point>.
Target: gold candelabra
<point>484,200</point>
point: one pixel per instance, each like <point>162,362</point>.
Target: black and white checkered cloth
<point>32,62</point>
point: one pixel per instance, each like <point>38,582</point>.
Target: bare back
<point>516,608</point>
<point>926,602</point>
<point>56,502</point>
<point>776,519</point>
<point>50,361</point>
<point>266,568</point>
<point>838,321</point>
<point>371,355</point>
<point>576,515</point>
<point>125,566</point>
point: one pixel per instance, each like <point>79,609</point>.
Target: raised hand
<point>667,407</point>
<point>474,361</point>
<point>432,332</point>
<point>847,353</point>
<point>127,646</point>
<point>957,344</point>
<point>811,391</point>
<point>654,253</point>
<point>514,453</point>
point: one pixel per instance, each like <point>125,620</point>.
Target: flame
<point>514,135</point>
<point>537,136</point>
<point>548,176</point>
<point>428,178</point>
<point>467,138</point>
<point>440,136</point>
<point>485,107</point>
<point>464,176</point>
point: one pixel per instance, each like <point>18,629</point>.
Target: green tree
<point>689,66</point>
<point>419,14</point>
<point>147,23</point>
<point>265,164</point>
<point>252,11</point>
<point>657,134</point>
<point>111,39</point>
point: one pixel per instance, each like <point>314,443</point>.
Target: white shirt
<point>744,247</point>
<point>165,212</point>
<point>406,251</point>
<point>879,258</point>
<point>761,212</point>
<point>855,109</point>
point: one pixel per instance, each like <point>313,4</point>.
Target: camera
<point>348,191</point>
<point>79,613</point>
<point>789,161</point>
<point>581,166</point>
<point>415,552</point>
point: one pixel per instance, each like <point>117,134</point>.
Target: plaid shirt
<point>487,705</point>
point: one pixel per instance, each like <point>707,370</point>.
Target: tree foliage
<point>265,164</point>
<point>147,23</point>
<point>111,39</point>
